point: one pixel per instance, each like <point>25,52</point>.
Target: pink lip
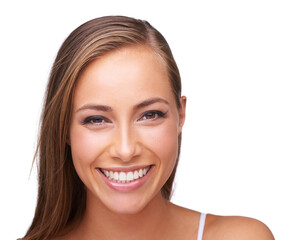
<point>126,187</point>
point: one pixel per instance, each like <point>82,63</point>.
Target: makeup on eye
<point>148,115</point>
<point>153,115</point>
<point>97,120</point>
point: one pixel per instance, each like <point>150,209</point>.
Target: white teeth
<point>123,177</point>
<point>140,173</point>
<point>135,175</point>
<point>116,176</point>
<point>129,176</point>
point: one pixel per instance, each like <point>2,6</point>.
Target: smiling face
<point>124,128</point>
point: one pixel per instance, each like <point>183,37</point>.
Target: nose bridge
<point>125,142</point>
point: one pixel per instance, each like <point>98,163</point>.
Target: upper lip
<point>125,169</point>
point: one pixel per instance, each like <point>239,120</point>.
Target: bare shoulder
<point>231,228</point>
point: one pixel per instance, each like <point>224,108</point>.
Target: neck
<point>101,223</point>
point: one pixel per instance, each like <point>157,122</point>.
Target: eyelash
<point>89,120</point>
<point>158,113</point>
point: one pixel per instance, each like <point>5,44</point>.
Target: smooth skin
<point>124,115</point>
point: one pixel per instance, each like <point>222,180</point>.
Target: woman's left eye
<point>152,115</point>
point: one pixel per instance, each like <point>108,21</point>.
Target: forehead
<point>132,73</point>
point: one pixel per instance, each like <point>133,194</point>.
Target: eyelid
<point>159,113</point>
<point>88,120</point>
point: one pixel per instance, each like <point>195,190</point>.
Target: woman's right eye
<point>94,120</point>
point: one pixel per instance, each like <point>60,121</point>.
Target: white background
<point>230,57</point>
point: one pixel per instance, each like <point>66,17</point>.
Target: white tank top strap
<point>201,226</point>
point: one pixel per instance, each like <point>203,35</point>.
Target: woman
<point>110,140</point>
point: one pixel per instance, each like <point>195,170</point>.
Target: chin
<point>127,203</point>
<point>123,203</point>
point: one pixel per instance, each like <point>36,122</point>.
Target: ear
<point>182,113</point>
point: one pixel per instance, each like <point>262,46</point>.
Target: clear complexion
<point>124,121</point>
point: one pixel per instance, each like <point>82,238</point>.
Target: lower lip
<point>126,187</point>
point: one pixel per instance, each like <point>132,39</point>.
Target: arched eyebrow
<point>149,102</point>
<point>103,108</point>
<point>106,108</point>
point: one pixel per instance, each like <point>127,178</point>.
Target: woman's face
<point>124,128</point>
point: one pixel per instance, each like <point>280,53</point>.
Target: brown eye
<point>94,120</point>
<point>150,115</point>
<point>153,115</point>
<point>97,120</point>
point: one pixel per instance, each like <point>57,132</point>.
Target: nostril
<point>126,153</point>
<point>125,145</point>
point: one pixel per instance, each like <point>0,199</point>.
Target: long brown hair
<point>61,194</point>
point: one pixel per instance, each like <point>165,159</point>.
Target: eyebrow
<point>103,108</point>
<point>106,108</point>
<point>149,102</point>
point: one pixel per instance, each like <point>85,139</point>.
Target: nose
<point>125,145</point>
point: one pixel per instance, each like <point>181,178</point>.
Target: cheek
<point>85,147</point>
<point>163,142</point>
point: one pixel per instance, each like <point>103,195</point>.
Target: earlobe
<point>182,113</point>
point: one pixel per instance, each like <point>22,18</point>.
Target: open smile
<point>125,177</point>
<point>125,180</point>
